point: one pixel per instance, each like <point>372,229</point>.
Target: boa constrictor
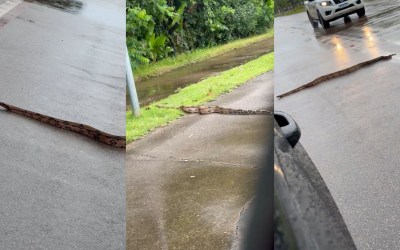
<point>336,74</point>
<point>95,134</point>
<point>203,110</point>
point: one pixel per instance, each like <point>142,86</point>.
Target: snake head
<point>390,56</point>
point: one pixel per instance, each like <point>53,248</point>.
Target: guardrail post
<point>130,82</point>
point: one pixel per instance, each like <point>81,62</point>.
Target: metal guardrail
<point>130,82</point>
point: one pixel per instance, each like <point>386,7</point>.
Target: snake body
<point>95,134</point>
<point>203,110</point>
<point>336,74</point>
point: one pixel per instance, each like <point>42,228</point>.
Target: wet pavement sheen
<point>60,190</point>
<point>156,88</point>
<point>349,124</point>
<point>187,183</point>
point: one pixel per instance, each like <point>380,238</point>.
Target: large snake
<point>336,74</point>
<point>95,134</point>
<point>203,110</point>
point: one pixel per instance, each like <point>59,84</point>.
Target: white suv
<point>325,11</point>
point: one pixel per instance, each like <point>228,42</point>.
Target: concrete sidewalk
<point>188,182</point>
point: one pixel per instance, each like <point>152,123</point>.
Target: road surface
<point>59,190</point>
<point>188,182</point>
<point>350,125</point>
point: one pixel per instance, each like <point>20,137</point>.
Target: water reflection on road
<point>349,124</point>
<point>156,88</point>
<point>71,6</point>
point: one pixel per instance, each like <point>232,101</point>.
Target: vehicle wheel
<point>325,24</point>
<point>347,19</point>
<point>312,21</point>
<point>361,12</point>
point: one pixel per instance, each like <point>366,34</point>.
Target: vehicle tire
<point>347,19</point>
<point>361,12</point>
<point>325,24</point>
<point>314,23</point>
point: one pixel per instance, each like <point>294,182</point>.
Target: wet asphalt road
<point>350,125</point>
<point>59,190</point>
<point>187,182</point>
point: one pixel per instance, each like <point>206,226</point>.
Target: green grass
<point>298,9</point>
<point>171,63</point>
<point>196,94</point>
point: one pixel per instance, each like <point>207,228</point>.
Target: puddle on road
<point>71,6</point>
<point>94,11</point>
<point>380,24</point>
<point>203,205</point>
<point>156,88</point>
<point>143,225</point>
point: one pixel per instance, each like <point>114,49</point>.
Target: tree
<point>160,28</point>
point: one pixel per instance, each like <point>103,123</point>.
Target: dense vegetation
<point>157,29</point>
<point>287,5</point>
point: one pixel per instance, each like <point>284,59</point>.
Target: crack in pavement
<point>241,229</point>
<point>223,155</point>
<point>178,159</point>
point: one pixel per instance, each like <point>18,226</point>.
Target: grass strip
<point>297,10</point>
<point>171,63</point>
<point>196,94</point>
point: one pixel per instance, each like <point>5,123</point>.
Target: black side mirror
<point>289,127</point>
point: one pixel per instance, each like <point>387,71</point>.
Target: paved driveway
<point>187,183</point>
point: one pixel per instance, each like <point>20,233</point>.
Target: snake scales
<point>336,74</point>
<point>203,110</point>
<point>95,134</point>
